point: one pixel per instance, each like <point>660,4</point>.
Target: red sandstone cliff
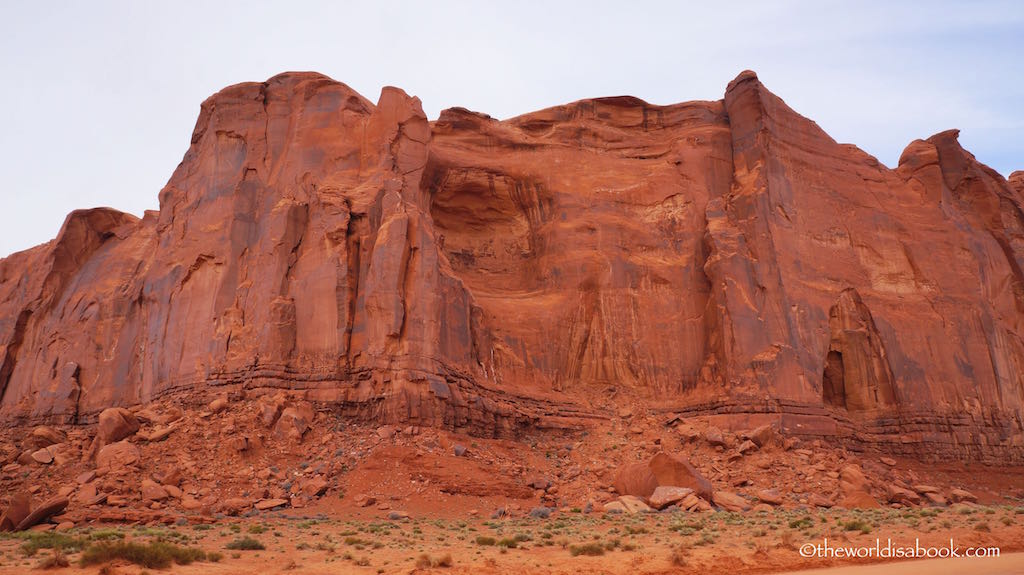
<point>722,257</point>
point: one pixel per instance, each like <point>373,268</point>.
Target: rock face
<point>724,257</point>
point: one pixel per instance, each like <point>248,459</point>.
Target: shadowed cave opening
<point>833,387</point>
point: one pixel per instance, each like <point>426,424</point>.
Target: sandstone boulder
<point>152,491</point>
<point>687,432</point>
<point>761,435</point>
<point>770,496</point>
<point>641,479</point>
<point>961,495</point>
<point>239,443</point>
<point>86,494</point>
<point>614,507</point>
<point>819,500</point>
<point>267,504</point>
<point>900,495</point>
<point>851,479</point>
<point>218,405</point>
<point>147,415</point>
<point>363,500</point>
<point>665,495</point>
<point>116,500</point>
<point>234,505</point>
<point>44,456</point>
<point>853,486</point>
<point>694,503</point>
<point>730,501</point>
<point>294,422</point>
<point>714,437</point>
<point>159,433</point>
<point>47,509</point>
<point>172,476</point>
<point>170,415</point>
<point>117,455</point>
<point>676,471</point>
<point>44,436</point>
<point>633,504</point>
<point>315,486</point>
<point>858,500</point>
<point>115,424</point>
<point>270,409</point>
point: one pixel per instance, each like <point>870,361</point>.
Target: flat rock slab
<point>665,495</point>
<point>48,509</point>
<point>731,501</point>
<point>266,504</point>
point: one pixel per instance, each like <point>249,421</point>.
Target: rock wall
<point>724,258</point>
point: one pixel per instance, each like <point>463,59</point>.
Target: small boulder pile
<point>289,419</point>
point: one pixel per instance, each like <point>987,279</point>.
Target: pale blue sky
<point>99,98</point>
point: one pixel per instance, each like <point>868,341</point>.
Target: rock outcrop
<point>723,258</point>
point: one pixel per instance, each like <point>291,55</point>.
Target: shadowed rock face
<point>721,258</point>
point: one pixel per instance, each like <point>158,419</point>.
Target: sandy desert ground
<point>709,543</point>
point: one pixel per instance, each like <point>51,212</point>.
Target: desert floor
<point>570,542</point>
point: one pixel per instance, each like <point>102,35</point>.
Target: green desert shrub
<point>245,544</point>
<point>592,549</point>
<point>154,555</point>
